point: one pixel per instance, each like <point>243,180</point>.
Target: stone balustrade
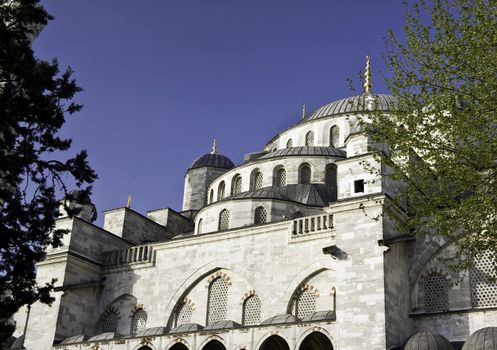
<point>311,224</point>
<point>129,256</point>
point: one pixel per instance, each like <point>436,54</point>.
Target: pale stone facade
<point>288,250</point>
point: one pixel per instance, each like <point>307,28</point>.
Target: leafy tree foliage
<point>443,132</point>
<point>34,100</point>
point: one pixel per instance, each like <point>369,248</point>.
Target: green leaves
<point>443,132</point>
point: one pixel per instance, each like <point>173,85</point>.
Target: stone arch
<point>318,332</point>
<point>304,275</point>
<point>144,345</point>
<point>305,173</point>
<point>213,342</point>
<point>125,304</point>
<point>178,344</point>
<point>272,341</point>
<point>195,277</point>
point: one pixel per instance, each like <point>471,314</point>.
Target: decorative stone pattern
<point>110,320</point>
<point>305,304</point>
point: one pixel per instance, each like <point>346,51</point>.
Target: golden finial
<point>214,147</point>
<point>128,205</point>
<point>368,85</point>
<point>304,110</point>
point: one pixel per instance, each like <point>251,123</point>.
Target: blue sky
<point>161,79</point>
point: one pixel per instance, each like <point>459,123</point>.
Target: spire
<point>214,147</point>
<point>367,77</point>
<point>128,205</point>
<point>304,110</point>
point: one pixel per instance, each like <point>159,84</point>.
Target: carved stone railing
<point>311,224</point>
<point>129,256</point>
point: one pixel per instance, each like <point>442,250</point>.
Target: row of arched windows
<point>334,138</point>
<point>279,180</point>
<point>260,217</point>
<point>110,321</point>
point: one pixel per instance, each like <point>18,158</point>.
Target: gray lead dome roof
<point>214,160</point>
<point>351,104</point>
<point>485,338</point>
<point>427,341</point>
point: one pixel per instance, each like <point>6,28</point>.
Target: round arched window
<point>334,136</point>
<point>220,191</point>
<point>309,139</point>
<point>305,174</point>
<point>236,185</point>
<point>260,215</point>
<point>281,177</point>
<point>289,144</point>
<point>224,220</point>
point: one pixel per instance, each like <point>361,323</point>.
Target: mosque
<point>287,251</point>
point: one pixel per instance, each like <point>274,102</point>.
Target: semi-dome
<point>350,105</point>
<point>214,160</point>
<point>427,341</point>
<point>485,338</point>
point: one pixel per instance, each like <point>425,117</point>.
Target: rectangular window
<point>359,186</point>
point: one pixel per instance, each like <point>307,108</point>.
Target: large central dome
<point>350,105</point>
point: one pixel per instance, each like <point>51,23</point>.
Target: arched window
<point>109,321</point>
<point>260,215</point>
<point>138,321</point>
<point>211,196</point>
<point>305,174</point>
<point>217,301</point>
<point>251,311</point>
<point>224,220</point>
<point>220,191</point>
<point>256,183</point>
<point>436,293</point>
<point>335,136</point>
<point>483,280</point>
<point>236,185</point>
<point>330,175</point>
<point>289,144</point>
<point>309,139</point>
<point>306,303</point>
<point>280,177</point>
<point>199,227</point>
<point>184,313</point>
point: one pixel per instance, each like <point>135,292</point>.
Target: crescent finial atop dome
<point>368,85</point>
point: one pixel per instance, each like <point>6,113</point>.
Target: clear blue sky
<point>162,78</point>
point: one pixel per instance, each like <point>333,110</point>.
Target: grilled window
<point>281,177</point>
<point>236,185</point>
<point>436,293</point>
<point>306,304</point>
<point>309,139</point>
<point>251,311</point>
<point>260,215</point>
<point>109,321</point>
<point>305,174</point>
<point>138,321</point>
<point>334,136</point>
<point>185,312</point>
<point>483,281</point>
<point>217,304</point>
<point>289,144</point>
<point>220,191</point>
<point>257,181</point>
<point>224,220</point>
<point>331,175</point>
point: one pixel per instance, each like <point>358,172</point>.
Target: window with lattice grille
<point>483,281</point>
<point>217,305</point>
<point>109,321</point>
<point>309,139</point>
<point>224,220</point>
<point>289,144</point>
<point>237,185</point>
<point>260,215</point>
<point>258,180</point>
<point>281,177</point>
<point>334,136</point>
<point>306,304</point>
<point>251,311</point>
<point>184,315</point>
<point>305,175</point>
<point>220,191</point>
<point>436,293</point>
<point>138,321</point>
<point>199,227</point>
<point>331,175</point>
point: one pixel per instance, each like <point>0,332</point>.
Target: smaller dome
<point>215,160</point>
<point>427,341</point>
<point>485,338</point>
